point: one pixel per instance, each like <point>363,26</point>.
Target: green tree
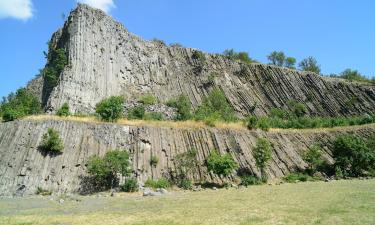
<point>110,109</point>
<point>310,64</point>
<point>64,110</point>
<point>183,106</point>
<point>215,107</point>
<point>222,165</point>
<point>290,62</point>
<point>56,62</point>
<point>353,75</point>
<point>20,104</point>
<point>148,100</point>
<point>186,163</point>
<point>262,153</point>
<point>137,112</point>
<point>105,169</point>
<point>352,155</point>
<point>276,58</point>
<point>52,142</point>
<point>314,158</point>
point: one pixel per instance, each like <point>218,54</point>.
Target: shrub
<point>295,177</point>
<point>314,159</point>
<point>263,124</point>
<point>44,192</point>
<point>51,142</point>
<point>198,55</point>
<point>154,161</point>
<point>352,155</point>
<point>262,153</point>
<point>186,162</point>
<point>222,165</point>
<point>185,184</point>
<point>183,106</point>
<point>161,183</point>
<point>148,100</point>
<point>241,56</point>
<point>137,112</point>
<point>154,116</point>
<point>298,109</point>
<point>18,105</point>
<point>251,122</point>
<point>310,64</point>
<point>64,110</point>
<point>130,185</point>
<point>215,106</point>
<point>110,109</point>
<point>104,169</point>
<point>56,62</point>
<point>248,180</point>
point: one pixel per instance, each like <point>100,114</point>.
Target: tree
<point>314,158</point>
<point>262,153</point>
<point>222,165</point>
<point>276,58</point>
<point>183,106</point>
<point>352,155</point>
<point>241,56</point>
<point>290,62</point>
<point>64,110</point>
<point>110,109</point>
<point>105,169</point>
<point>352,75</point>
<point>56,62</point>
<point>215,107</point>
<point>310,64</point>
<point>20,104</point>
<point>52,142</point>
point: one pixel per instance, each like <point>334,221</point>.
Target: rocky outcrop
<point>105,59</point>
<point>23,167</point>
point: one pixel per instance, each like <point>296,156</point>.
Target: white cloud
<point>104,5</point>
<point>19,9</point>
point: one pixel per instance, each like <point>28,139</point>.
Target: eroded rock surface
<point>105,59</point>
<point>23,167</point>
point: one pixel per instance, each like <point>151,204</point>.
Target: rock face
<point>23,167</point>
<point>105,59</point>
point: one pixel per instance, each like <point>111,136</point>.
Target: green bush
<point>263,124</point>
<point>56,62</point>
<point>130,185</point>
<point>310,64</point>
<point>251,122</point>
<point>295,177</point>
<point>105,169</point>
<point>183,106</point>
<point>64,110</point>
<point>185,184</point>
<point>43,192</point>
<point>52,142</point>
<point>314,159</point>
<point>148,100</point>
<point>222,165</point>
<point>161,183</point>
<point>137,112</point>
<point>18,105</point>
<point>215,107</point>
<point>262,153</point>
<point>248,180</point>
<point>353,156</point>
<point>241,56</point>
<point>110,109</point>
<point>198,55</point>
<point>154,116</point>
<point>154,161</point>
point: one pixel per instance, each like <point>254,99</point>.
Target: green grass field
<point>336,202</point>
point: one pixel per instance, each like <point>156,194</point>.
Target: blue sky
<point>339,34</point>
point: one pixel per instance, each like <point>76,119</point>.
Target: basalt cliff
<point>104,59</point>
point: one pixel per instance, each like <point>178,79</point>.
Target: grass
<point>189,124</point>
<point>336,202</point>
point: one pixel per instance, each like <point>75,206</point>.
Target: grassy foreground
<point>336,202</point>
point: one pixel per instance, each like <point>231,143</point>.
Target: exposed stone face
<point>23,167</point>
<point>105,59</point>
